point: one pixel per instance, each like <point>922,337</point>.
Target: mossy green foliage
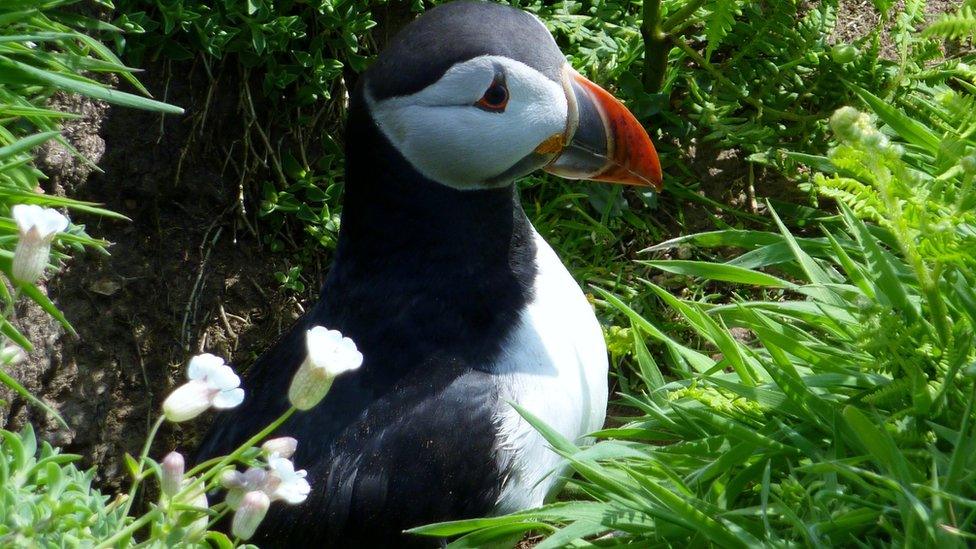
<point>46,501</point>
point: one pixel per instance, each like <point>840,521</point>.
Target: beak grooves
<point>605,142</point>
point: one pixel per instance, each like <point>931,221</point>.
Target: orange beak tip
<point>633,159</point>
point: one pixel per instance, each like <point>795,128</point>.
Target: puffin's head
<point>475,95</point>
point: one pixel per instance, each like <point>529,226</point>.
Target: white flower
<point>284,482</point>
<point>37,227</point>
<point>238,484</point>
<point>328,350</point>
<point>329,354</point>
<point>282,447</point>
<point>280,482</point>
<point>212,383</point>
<point>247,518</point>
<point>172,478</point>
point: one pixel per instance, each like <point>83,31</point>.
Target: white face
<point>454,132</point>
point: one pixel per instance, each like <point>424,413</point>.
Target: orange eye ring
<point>495,98</point>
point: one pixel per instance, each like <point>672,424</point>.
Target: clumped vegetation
<point>803,372</point>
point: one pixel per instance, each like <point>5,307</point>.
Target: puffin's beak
<point>603,140</point>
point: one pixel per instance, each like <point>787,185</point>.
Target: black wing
<point>421,452</point>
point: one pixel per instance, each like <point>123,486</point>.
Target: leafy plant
<point>45,500</point>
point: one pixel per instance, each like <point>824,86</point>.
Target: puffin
<point>457,304</point>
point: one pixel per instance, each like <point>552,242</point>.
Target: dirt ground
<point>186,275</point>
<point>189,272</point>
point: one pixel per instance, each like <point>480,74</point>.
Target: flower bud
<point>843,53</point>
<point>968,164</point>
<point>198,527</point>
<point>173,468</point>
<point>12,354</point>
<point>230,479</point>
<point>282,446</point>
<point>845,122</point>
<point>249,515</point>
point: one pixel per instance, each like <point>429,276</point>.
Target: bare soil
<point>186,275</point>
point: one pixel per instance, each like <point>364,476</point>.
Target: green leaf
<point>908,128</point>
<point>892,290</point>
<point>720,271</point>
<point>26,144</point>
<point>697,360</point>
<point>878,444</point>
<point>650,372</point>
<point>503,535</point>
<point>16,387</point>
<point>553,437</point>
<point>14,72</point>
<point>11,331</point>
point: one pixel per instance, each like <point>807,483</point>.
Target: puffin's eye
<point>495,98</point>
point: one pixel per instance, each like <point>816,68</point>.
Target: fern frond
<point>719,23</point>
<point>954,26</point>
<point>895,392</point>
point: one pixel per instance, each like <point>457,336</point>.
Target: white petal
<point>24,215</point>
<point>293,492</point>
<point>283,467</point>
<point>228,399</point>
<point>187,401</point>
<point>52,222</point>
<point>223,379</point>
<point>321,344</point>
<point>201,366</point>
<point>345,361</point>
<point>41,222</point>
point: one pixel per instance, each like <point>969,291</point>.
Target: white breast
<point>554,365</point>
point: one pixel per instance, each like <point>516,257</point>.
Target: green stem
<point>929,283</point>
<point>220,515</point>
<point>130,529</point>
<point>232,457</point>
<point>203,465</point>
<point>656,47</point>
<point>678,18</point>
<point>197,484</point>
<point>142,460</point>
